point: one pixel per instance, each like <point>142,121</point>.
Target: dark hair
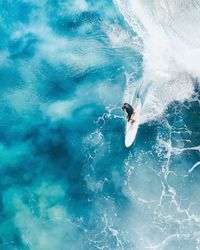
<point>125,103</point>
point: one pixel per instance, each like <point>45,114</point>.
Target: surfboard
<point>132,127</point>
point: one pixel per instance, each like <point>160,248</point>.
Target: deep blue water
<point>67,180</point>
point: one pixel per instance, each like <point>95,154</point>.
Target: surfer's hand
<point>132,120</point>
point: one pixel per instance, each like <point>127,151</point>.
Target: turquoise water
<point>67,180</point>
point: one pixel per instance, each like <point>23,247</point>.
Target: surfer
<point>129,110</point>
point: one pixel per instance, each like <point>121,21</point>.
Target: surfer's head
<point>125,106</point>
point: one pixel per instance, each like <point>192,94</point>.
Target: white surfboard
<point>132,127</point>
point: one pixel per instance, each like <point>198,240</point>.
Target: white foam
<point>171,49</point>
<point>120,37</point>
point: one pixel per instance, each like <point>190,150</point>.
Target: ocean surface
<point>67,180</point>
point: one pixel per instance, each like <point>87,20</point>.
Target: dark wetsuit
<point>129,110</point>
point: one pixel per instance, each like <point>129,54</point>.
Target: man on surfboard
<point>129,110</point>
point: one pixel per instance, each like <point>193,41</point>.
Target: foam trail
<point>170,61</point>
<point>193,167</point>
<point>132,88</point>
